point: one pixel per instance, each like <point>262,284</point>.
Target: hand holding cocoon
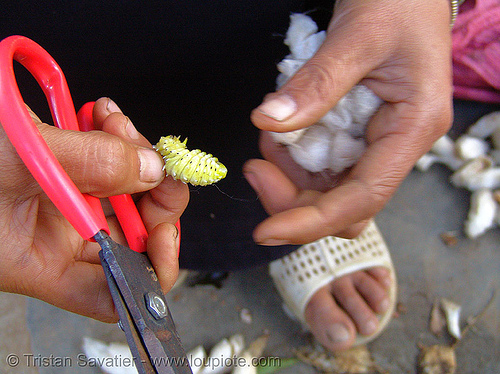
<point>336,141</point>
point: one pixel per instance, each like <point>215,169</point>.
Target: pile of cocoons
<point>475,160</point>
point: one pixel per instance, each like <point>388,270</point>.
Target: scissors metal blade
<point>143,311</point>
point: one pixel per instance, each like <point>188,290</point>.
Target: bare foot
<point>348,306</point>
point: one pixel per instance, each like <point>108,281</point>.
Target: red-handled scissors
<point>143,311</point>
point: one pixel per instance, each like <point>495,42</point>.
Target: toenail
<point>387,282</point>
<point>337,333</point>
<point>384,305</point>
<point>370,327</point>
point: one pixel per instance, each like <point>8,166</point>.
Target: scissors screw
<point>156,305</point>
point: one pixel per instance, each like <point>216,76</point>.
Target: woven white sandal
<point>298,275</point>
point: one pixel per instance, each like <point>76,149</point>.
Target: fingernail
<point>177,240</point>
<point>272,242</point>
<point>112,107</point>
<point>131,130</point>
<point>279,108</point>
<point>337,333</point>
<point>151,168</point>
<point>252,180</point>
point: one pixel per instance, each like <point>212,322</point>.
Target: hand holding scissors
<point>41,254</point>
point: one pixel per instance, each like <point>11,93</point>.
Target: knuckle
<point>381,191</point>
<point>377,193</point>
<point>444,118</point>
<point>316,80</point>
<point>111,164</point>
<point>354,230</point>
<point>436,119</point>
<point>436,107</point>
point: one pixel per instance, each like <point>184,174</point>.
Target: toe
<point>339,311</point>
<point>350,299</point>
<point>330,325</point>
<point>382,275</point>
<point>373,290</point>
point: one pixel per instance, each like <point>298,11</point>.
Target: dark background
<point>189,68</point>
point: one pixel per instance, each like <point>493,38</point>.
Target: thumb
<point>342,61</point>
<point>99,163</point>
<point>103,164</point>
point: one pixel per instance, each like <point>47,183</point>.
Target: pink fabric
<point>476,51</point>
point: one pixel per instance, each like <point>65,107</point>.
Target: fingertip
<point>109,117</point>
<point>280,113</point>
<point>165,203</point>
<point>278,107</point>
<point>103,107</point>
<point>112,107</point>
<point>249,172</point>
<point>151,166</point>
<point>296,225</point>
<point>275,191</point>
<point>162,249</point>
<point>118,124</point>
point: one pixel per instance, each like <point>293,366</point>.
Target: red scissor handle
<point>83,211</point>
<point>123,205</point>
<point>28,141</point>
